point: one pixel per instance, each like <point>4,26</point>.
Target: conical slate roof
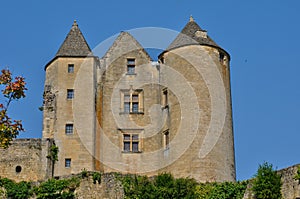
<point>192,34</point>
<point>74,45</point>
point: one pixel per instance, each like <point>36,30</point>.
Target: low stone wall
<point>25,159</point>
<point>290,187</point>
<point>107,189</point>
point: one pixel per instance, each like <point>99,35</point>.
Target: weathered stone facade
<point>26,159</point>
<point>124,112</point>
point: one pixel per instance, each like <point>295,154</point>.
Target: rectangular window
<point>70,68</point>
<point>135,147</point>
<point>166,140</point>
<point>135,107</point>
<point>126,103</point>
<point>130,66</point>
<point>126,140</point>
<point>68,162</point>
<point>135,103</point>
<point>69,129</point>
<point>70,93</point>
<point>165,98</point>
<point>132,101</point>
<point>131,142</point>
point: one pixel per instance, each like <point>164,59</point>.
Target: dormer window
<point>130,66</point>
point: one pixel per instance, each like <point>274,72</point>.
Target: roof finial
<point>75,23</point>
<point>191,18</point>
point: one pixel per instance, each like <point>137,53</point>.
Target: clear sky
<point>262,37</point>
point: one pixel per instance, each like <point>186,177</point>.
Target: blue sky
<point>262,38</point>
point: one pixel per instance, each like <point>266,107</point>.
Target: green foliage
<point>13,89</point>
<point>267,183</point>
<point>53,153</point>
<point>51,189</point>
<point>57,189</point>
<point>203,190</point>
<point>84,173</point>
<point>21,190</point>
<point>162,186</point>
<point>297,176</point>
<point>228,190</point>
<point>165,186</point>
<point>225,190</point>
<point>3,193</point>
<point>96,177</point>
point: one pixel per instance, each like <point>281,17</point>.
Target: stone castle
<point>127,113</point>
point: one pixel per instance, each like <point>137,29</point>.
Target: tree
<point>14,89</point>
<point>267,183</point>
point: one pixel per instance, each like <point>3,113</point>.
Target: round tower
<point>204,67</point>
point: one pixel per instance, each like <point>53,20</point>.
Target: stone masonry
<point>126,113</point>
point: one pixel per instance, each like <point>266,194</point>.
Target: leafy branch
<point>14,89</point>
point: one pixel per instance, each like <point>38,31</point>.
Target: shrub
<point>161,187</point>
<point>84,173</point>
<point>21,190</point>
<point>96,177</point>
<point>57,189</point>
<point>267,183</point>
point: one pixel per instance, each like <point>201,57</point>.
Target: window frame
<point>133,140</point>
<point>71,68</point>
<point>132,101</point>
<point>70,94</point>
<point>131,64</point>
<point>68,162</point>
<point>166,139</point>
<point>69,129</point>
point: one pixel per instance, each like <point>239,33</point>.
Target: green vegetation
<point>96,177</point>
<point>225,190</point>
<point>53,155</point>
<point>84,173</point>
<point>13,90</point>
<point>57,189</point>
<point>267,183</point>
<point>51,189</point>
<point>166,186</point>
<point>21,190</point>
<point>297,176</point>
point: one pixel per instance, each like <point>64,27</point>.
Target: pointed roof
<point>192,34</point>
<point>123,44</point>
<point>74,45</point>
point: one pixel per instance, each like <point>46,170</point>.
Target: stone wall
<point>25,159</point>
<point>77,146</point>
<point>107,189</point>
<point>204,92</point>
